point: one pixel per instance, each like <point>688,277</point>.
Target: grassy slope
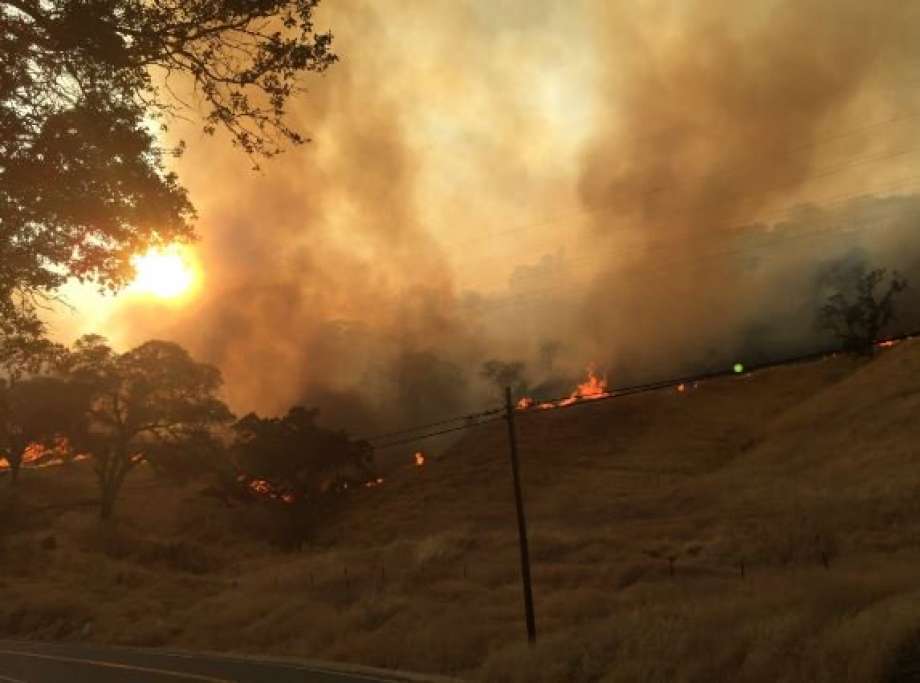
<point>768,470</point>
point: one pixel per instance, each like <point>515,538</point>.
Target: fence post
<point>521,520</point>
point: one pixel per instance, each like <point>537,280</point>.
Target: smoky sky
<point>492,179</point>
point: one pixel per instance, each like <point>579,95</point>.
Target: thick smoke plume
<point>556,183</point>
<point>725,114</point>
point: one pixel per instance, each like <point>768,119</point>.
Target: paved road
<point>30,662</point>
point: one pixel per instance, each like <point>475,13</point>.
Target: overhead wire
<point>561,402</point>
<point>429,435</point>
<point>430,425</point>
<point>475,419</point>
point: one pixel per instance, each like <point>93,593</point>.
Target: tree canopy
<point>35,411</point>
<point>84,84</point>
<point>297,455</point>
<point>856,312</point>
<point>152,395</point>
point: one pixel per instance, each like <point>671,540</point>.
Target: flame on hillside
<point>38,456</point>
<point>419,459</point>
<point>262,488</point>
<point>594,387</point>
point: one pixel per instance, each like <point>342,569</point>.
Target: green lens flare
<point>739,367</point>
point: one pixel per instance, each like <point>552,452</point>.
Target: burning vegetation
<point>39,455</point>
<point>594,387</point>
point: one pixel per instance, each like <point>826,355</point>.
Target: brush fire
<point>262,488</point>
<point>594,387</point>
<point>38,456</point>
<point>419,459</point>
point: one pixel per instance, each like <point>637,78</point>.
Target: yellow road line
<point>112,665</point>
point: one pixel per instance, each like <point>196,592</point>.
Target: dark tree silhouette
<point>83,184</point>
<point>152,394</point>
<point>856,313</point>
<point>505,374</point>
<point>36,410</point>
<point>297,455</point>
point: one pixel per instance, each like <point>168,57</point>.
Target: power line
<point>429,435</point>
<point>631,390</point>
<point>534,296</point>
<point>430,425</point>
<point>667,383</point>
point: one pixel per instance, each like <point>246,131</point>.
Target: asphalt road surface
<point>31,662</point>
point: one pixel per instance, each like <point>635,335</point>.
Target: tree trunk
<point>111,477</point>
<point>107,506</point>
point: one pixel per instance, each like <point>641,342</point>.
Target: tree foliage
<point>152,395</point>
<point>35,411</point>
<point>858,310</point>
<point>295,454</point>
<point>83,179</point>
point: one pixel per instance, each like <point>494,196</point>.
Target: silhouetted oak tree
<point>296,454</point>
<point>151,394</point>
<point>83,184</point>
<point>35,410</point>
<point>857,312</point>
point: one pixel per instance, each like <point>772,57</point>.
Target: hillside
<point>763,527</point>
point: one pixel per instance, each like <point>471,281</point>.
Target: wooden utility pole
<point>521,520</point>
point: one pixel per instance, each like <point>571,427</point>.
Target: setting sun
<point>163,273</point>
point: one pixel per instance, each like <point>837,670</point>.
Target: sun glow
<point>164,273</point>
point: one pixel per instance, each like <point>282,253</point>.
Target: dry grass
<point>643,513</point>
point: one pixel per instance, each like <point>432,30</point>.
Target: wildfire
<point>38,456</point>
<point>594,387</point>
<point>419,459</point>
<point>265,489</point>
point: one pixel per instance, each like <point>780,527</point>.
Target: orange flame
<point>419,459</point>
<point>265,489</point>
<point>593,387</point>
<point>39,456</point>
<point>525,403</point>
